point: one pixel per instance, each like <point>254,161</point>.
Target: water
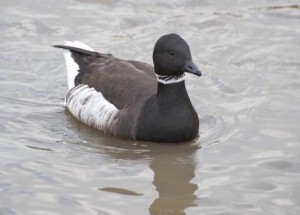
<point>247,158</point>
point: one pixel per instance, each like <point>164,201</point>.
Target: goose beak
<point>190,67</point>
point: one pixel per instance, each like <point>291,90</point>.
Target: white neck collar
<point>169,79</point>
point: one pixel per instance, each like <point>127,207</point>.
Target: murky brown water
<point>247,159</point>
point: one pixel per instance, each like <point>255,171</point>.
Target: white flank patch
<point>72,66</point>
<point>168,79</point>
<point>90,107</point>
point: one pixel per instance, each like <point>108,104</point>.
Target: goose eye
<point>172,53</point>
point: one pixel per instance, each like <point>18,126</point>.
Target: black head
<point>172,56</point>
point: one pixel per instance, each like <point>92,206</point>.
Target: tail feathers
<point>78,44</point>
<point>72,66</point>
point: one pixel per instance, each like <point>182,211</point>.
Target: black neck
<point>172,94</point>
<point>168,116</point>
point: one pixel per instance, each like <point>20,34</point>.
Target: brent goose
<point>132,99</point>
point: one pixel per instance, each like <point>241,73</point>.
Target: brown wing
<point>123,83</point>
<point>120,82</point>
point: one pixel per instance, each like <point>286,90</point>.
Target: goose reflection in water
<point>173,174</point>
<point>173,167</point>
